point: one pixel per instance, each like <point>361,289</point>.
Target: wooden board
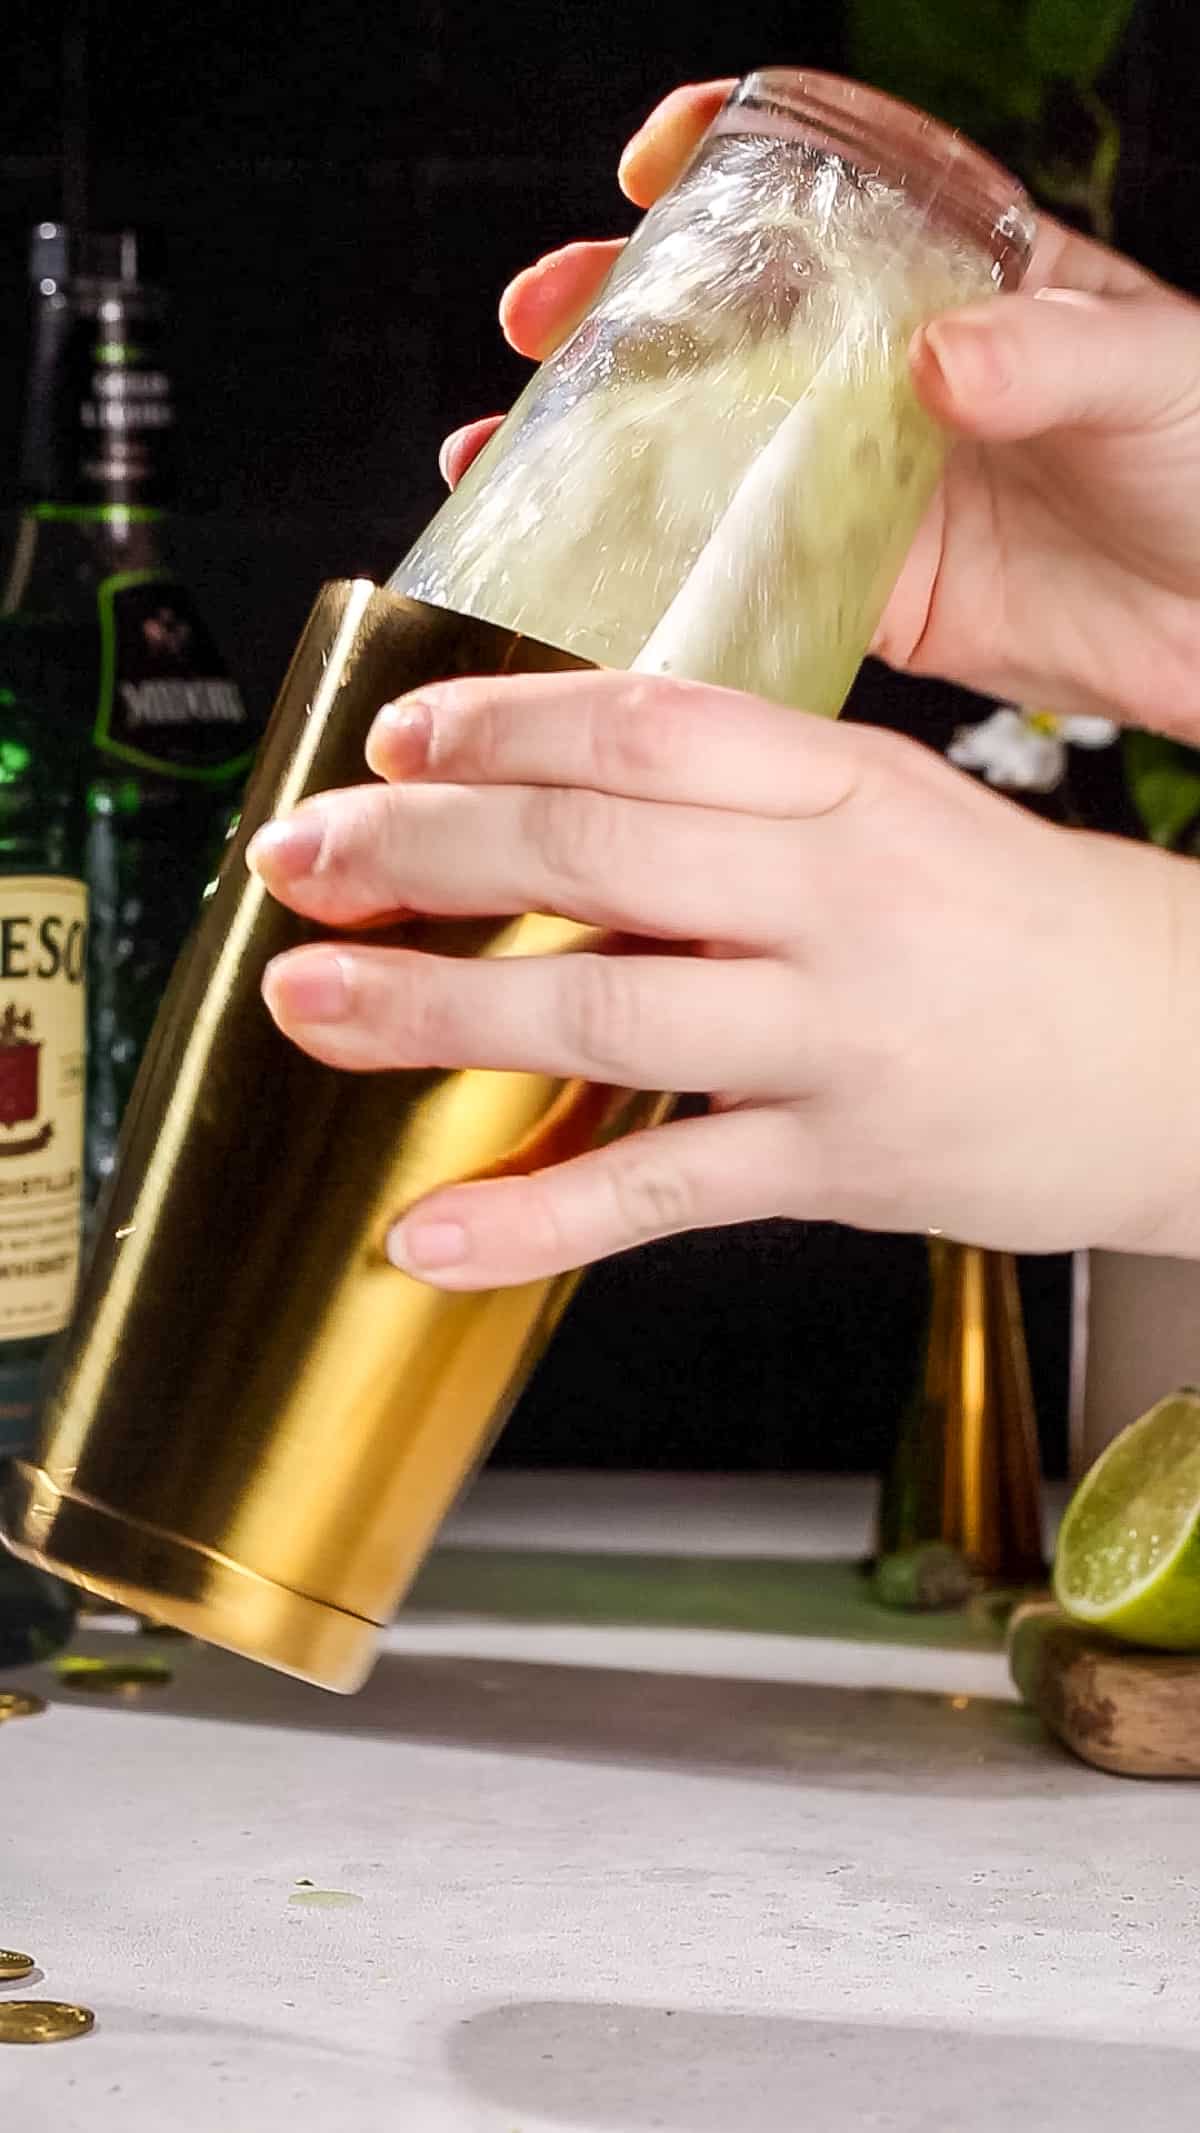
<point>1131,1712</point>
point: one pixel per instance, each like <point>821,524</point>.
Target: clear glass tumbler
<point>721,471</point>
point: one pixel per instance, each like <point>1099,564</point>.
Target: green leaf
<point>1164,784</point>
<point>961,62</point>
<point>1074,40</point>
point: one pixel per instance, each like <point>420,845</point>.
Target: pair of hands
<point>918,1007</point>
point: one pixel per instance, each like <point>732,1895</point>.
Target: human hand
<point>919,1007</point>
<point>1059,564</point>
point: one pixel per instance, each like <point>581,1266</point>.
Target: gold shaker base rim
<point>183,1584</point>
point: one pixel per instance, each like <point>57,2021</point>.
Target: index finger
<point>661,146</point>
<point>626,735</point>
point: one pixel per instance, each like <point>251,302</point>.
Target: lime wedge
<point>1128,1557</point>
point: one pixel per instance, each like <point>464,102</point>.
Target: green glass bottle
<point>160,726</point>
<point>43,916</point>
<point>43,951</point>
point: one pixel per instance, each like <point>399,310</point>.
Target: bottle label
<point>123,399</point>
<point>166,700</point>
<point>103,423</point>
<point>43,944</point>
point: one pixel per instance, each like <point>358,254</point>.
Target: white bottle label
<point>43,946</point>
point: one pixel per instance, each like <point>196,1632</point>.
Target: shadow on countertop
<point>778,1732</point>
<point>599,2066</point>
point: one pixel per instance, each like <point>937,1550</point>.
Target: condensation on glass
<point>720,473</point>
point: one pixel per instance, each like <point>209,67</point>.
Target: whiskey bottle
<point>43,948</point>
<point>158,725</point>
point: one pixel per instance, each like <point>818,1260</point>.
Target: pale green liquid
<point>705,484</point>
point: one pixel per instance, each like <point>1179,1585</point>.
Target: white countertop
<point>610,1877</point>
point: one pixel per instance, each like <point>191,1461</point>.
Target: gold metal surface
<point>13,1965</point>
<point>967,1468</point>
<point>42,2021</point>
<point>259,1423</point>
<point>991,1481</point>
<point>15,1703</point>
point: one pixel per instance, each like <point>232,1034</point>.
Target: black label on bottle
<point>166,699</point>
<point>116,415</point>
<point>124,411</point>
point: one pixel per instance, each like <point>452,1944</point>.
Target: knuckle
<point>882,756</point>
<point>643,733</point>
<point>888,759</point>
<point>489,730</point>
<point>601,1012</point>
<point>652,1197</point>
<point>575,834</point>
<point>541,1225</point>
<point>475,733</point>
<point>463,738</point>
<point>868,1174</point>
<point>355,836</point>
<point>419,1010</point>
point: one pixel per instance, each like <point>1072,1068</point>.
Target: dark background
<point>344,190</point>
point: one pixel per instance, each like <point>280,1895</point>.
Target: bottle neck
<point>100,420</point>
<point>62,551</point>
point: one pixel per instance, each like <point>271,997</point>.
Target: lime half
<point>1128,1557</point>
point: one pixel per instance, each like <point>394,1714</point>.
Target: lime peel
<point>1128,1557</point>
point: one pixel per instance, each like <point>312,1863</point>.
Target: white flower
<point>1026,751</point>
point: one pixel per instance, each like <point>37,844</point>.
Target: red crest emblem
<point>20,1068</point>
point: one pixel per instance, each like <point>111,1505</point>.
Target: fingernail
<point>969,357</point>
<point>291,847</point>
<point>633,146</point>
<point>398,743</point>
<point>448,444</point>
<point>1082,299</point>
<point>419,1247</point>
<point>629,155</point>
<point>310,988</point>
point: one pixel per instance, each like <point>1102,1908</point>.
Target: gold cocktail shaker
<point>258,1423</point>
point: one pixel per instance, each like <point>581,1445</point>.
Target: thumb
<point>1023,365</point>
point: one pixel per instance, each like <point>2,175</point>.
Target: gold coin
<point>13,1965</point>
<point>111,1677</point>
<point>15,1704</point>
<point>42,2021</point>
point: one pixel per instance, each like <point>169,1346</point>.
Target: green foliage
<point>1074,40</point>
<point>1164,785</point>
<point>989,66</point>
<point>956,59</point>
